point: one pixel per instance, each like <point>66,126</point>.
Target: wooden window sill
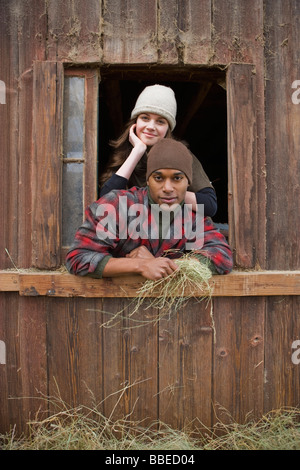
<point>62,284</point>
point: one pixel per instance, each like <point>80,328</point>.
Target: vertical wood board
<point>238,358</point>
<point>184,32</point>
<point>244,233</point>
<point>282,134</point>
<point>185,364</point>
<point>282,370</point>
<point>46,164</point>
<point>9,123</point>
<point>75,352</point>
<point>129,32</point>
<point>74,31</point>
<point>237,31</point>
<point>130,362</point>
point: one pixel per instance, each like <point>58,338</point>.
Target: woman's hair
<point>122,148</point>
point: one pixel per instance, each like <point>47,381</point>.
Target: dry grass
<point>167,295</point>
<point>86,429</point>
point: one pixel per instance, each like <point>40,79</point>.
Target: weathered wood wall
<point>174,371</point>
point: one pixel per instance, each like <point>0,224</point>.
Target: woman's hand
<point>138,150</point>
<point>135,141</point>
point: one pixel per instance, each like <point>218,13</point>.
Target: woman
<point>152,119</point>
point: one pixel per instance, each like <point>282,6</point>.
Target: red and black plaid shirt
<point>90,246</point>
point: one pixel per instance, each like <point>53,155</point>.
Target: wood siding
<point>173,370</point>
<point>177,370</point>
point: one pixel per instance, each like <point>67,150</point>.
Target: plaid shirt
<point>110,232</point>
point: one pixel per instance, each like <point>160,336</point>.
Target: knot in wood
<point>255,340</point>
<point>222,352</point>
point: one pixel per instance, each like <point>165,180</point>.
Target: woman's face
<point>151,128</point>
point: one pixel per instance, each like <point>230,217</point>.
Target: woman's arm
<point>138,150</point>
<point>206,196</point>
<point>120,179</point>
<point>114,182</point>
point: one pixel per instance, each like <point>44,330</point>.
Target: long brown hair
<point>122,148</point>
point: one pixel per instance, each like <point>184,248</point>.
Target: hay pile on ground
<point>83,429</point>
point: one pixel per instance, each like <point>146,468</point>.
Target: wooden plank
<point>11,409</point>
<point>32,331</point>
<point>9,53</point>
<point>282,369</point>
<point>90,190</point>
<point>282,134</point>
<point>185,365</point>
<point>74,352</point>
<point>184,34</point>
<point>242,154</point>
<point>73,31</point>
<point>238,359</point>
<point>129,363</point>
<point>46,165</point>
<point>9,281</point>
<point>237,31</point>
<point>34,27</point>
<point>251,283</point>
<point>129,32</point>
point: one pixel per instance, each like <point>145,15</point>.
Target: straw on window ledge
<point>169,294</point>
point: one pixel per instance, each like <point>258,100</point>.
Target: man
<point>126,232</point>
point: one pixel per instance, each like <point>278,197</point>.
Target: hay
<point>83,428</point>
<point>169,294</point>
<point>173,291</point>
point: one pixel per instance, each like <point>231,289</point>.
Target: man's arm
<point>150,268</point>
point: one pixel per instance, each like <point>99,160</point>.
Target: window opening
<point>201,118</point>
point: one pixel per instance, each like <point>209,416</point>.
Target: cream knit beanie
<point>157,99</point>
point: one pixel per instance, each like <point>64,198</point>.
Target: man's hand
<point>157,268</point>
<point>140,261</point>
<point>140,252</point>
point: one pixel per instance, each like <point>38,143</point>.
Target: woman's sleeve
<point>114,182</point>
<point>203,189</point>
<point>208,197</point>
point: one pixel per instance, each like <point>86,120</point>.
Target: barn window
<point>217,117</point>
<point>201,117</point>
<point>75,117</point>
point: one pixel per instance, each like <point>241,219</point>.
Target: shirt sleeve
<point>91,248</point>
<point>200,178</point>
<point>208,197</point>
<point>216,249</point>
<point>114,182</point>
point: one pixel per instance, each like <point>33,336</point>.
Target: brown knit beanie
<point>169,153</point>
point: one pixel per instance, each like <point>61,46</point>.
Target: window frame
<point>243,184</point>
<point>90,138</point>
<point>47,157</point>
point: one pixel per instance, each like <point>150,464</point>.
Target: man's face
<point>168,186</point>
